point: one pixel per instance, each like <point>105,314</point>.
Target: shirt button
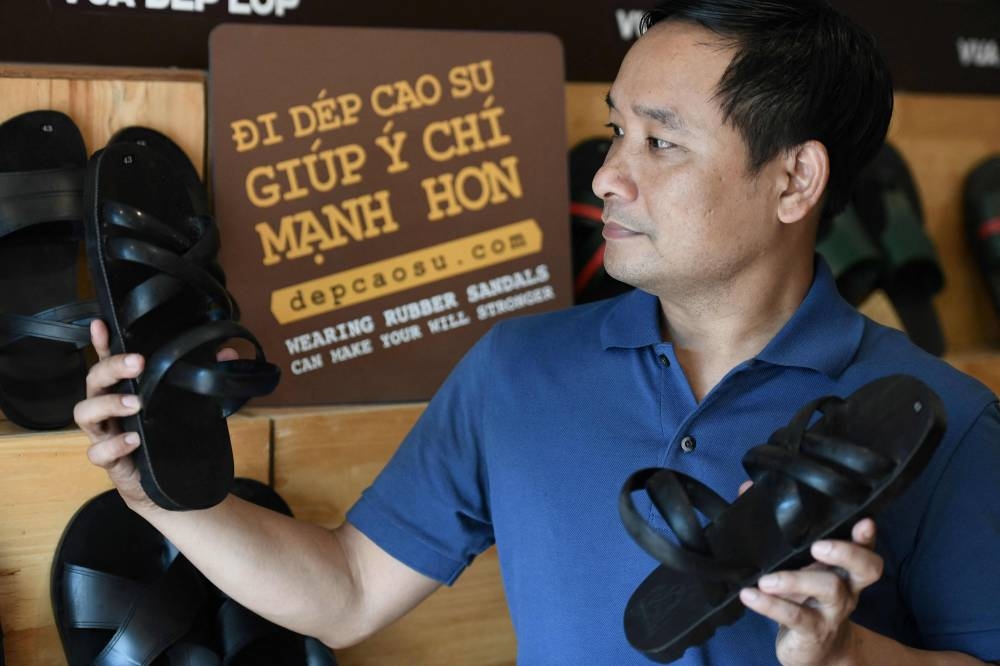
<point>688,444</point>
<point>664,361</point>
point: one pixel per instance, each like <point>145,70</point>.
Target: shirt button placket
<point>688,444</point>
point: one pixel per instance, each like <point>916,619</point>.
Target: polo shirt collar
<point>822,335</point>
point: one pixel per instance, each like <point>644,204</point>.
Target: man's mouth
<point>615,231</point>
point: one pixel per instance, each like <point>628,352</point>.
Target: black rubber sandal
<point>165,146</point>
<point>43,328</point>
<point>982,222</point>
<point>889,207</point>
<point>123,596</point>
<point>246,639</point>
<point>854,260</point>
<point>814,479</point>
<point>153,260</point>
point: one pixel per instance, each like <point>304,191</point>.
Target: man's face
<point>681,212</point>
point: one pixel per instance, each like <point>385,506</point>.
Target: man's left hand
<point>812,606</point>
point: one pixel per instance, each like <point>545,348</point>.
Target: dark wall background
<point>932,45</point>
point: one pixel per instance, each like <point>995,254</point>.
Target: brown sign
<point>385,196</point>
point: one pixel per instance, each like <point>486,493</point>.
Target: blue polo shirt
<point>528,442</point>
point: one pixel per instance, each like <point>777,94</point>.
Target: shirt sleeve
<point>952,580</point>
<point>429,507</point>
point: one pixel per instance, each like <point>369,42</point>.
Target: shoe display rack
<point>320,459</point>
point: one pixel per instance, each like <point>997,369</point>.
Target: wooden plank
<point>103,100</point>
<point>56,71</point>
<point>586,112</point>
<point>323,459</point>
<point>46,479</point>
<point>984,366</point>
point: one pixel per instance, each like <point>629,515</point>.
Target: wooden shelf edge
<point>27,70</point>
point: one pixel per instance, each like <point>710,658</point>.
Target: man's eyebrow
<point>665,116</point>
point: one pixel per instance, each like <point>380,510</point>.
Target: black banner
<point>931,45</point>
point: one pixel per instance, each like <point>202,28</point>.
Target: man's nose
<point>613,179</point>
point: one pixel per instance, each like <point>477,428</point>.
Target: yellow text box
<point>406,271</point>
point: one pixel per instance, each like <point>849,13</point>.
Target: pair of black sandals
<point>879,241</point>
<point>121,593</point>
<point>151,247</point>
<point>123,596</point>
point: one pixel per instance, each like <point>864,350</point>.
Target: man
<point>738,125</point>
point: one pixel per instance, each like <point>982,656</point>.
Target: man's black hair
<point>800,71</point>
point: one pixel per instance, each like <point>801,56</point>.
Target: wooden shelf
<point>47,477</point>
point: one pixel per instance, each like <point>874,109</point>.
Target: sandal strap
<point>179,261</point>
<point>833,466</point>
<point>192,654</point>
<point>818,476</point>
<point>95,599</point>
<point>64,323</point>
<point>139,223</point>
<point>158,618</point>
<point>238,628</point>
<point>672,493</point>
<point>175,266</point>
<point>45,195</point>
<point>231,381</point>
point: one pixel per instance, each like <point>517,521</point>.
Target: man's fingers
<point>863,533</point>
<point>100,339</point>
<point>823,585</point>
<point>745,486</point>
<point>227,354</point>
<point>92,414</point>
<point>794,616</point>
<point>111,370</point>
<point>109,452</point>
<point>862,565</point>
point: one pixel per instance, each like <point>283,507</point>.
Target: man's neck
<point>716,330</point>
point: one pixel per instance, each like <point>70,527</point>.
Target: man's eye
<point>660,144</point>
<point>616,132</point>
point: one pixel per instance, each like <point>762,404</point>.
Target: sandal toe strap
<point>232,383</point>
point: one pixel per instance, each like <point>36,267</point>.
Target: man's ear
<point>806,170</point>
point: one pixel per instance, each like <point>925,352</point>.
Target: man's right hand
<point>98,415</point>
<point>298,575</point>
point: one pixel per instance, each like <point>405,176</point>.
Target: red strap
<point>588,211</point>
<point>586,273</point>
<point>989,228</point>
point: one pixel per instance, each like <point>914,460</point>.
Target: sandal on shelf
<point>246,639</point>
<point>122,595</point>
<point>837,461</point>
<point>152,256</point>
<point>165,146</point>
<point>854,260</point>
<point>889,207</point>
<point>43,328</point>
<point>982,222</point>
